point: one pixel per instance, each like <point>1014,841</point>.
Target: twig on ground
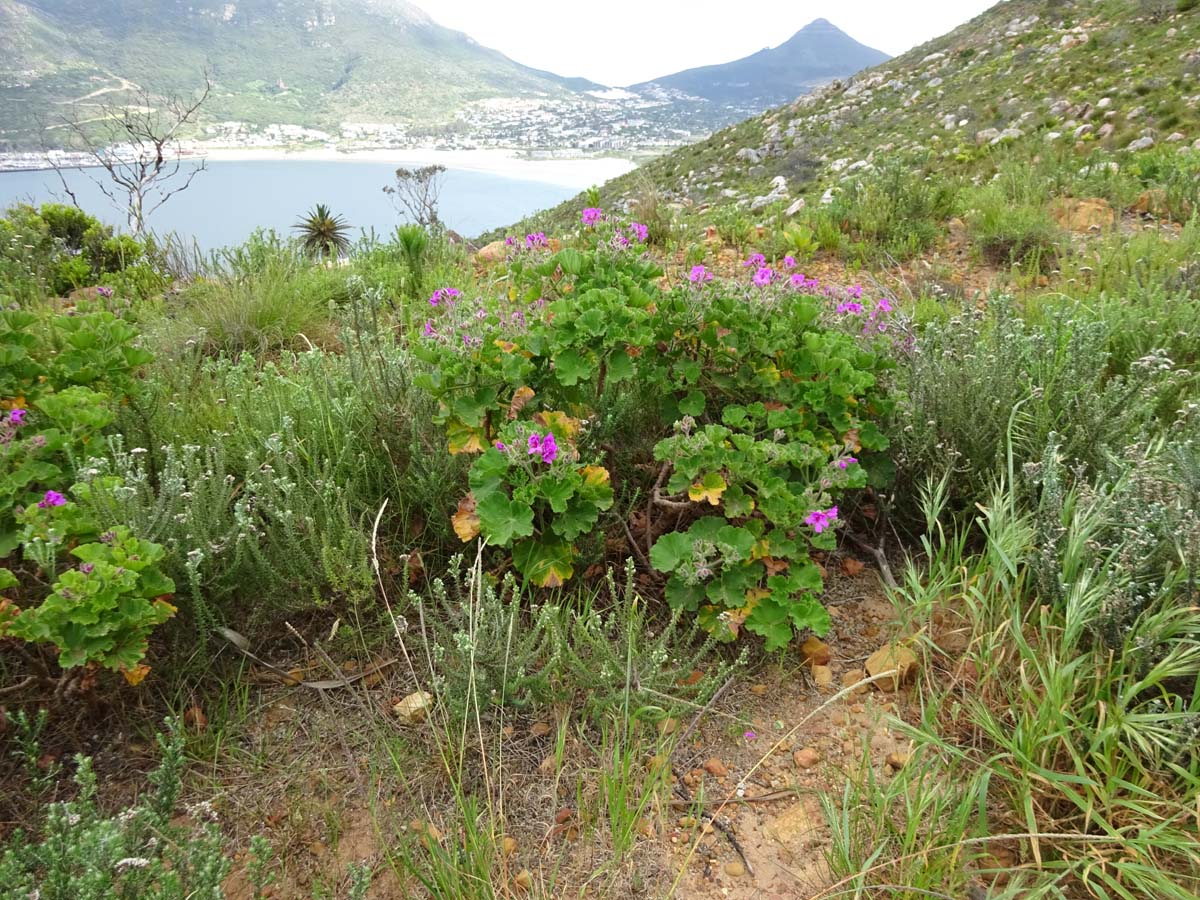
<point>885,571</point>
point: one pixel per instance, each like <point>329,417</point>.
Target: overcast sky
<point>625,43</point>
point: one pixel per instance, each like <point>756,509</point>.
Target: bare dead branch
<point>136,143</point>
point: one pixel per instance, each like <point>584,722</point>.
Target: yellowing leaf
<point>850,439</point>
<point>463,438</point>
<point>135,675</point>
<point>594,475</point>
<point>506,346</point>
<point>466,521</point>
<point>521,396</point>
<point>559,422</point>
<point>709,488</point>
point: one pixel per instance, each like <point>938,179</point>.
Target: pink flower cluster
<point>700,275</point>
<point>592,216</point>
<point>546,447</point>
<point>537,239</point>
<point>820,519</point>
<point>874,320</point>
<point>449,295</point>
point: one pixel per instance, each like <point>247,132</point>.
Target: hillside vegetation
<point>1070,91</point>
<point>686,550</point>
<point>313,64</point>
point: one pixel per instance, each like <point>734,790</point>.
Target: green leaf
<point>681,595</point>
<point>770,620</point>
<point>7,579</point>
<point>620,366</point>
<point>558,489</point>
<point>570,368</point>
<point>547,562</point>
<point>501,519</point>
<point>692,404</point>
<point>570,261</point>
<point>670,550</point>
<point>488,473</point>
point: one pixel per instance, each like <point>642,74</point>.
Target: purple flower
<point>763,277</point>
<point>509,241</point>
<point>537,239</point>
<point>789,262</point>
<point>845,463</point>
<point>52,498</point>
<point>855,292</point>
<point>640,231</point>
<point>105,292</point>
<point>86,568</point>
<point>851,307</point>
<point>546,447</point>
<point>17,416</point>
<point>501,446</point>
<point>756,260</point>
<point>447,294</point>
<point>749,735</point>
<point>592,216</point>
<point>429,331</point>
<point>700,275</point>
<point>884,305</point>
<point>821,519</point>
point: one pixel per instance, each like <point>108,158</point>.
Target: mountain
<point>313,63</point>
<point>817,53</point>
<point>1079,80</point>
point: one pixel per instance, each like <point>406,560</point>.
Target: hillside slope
<point>304,62</point>
<point>815,54</point>
<point>1027,78</point>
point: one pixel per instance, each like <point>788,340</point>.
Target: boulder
<point>493,252</point>
<point>750,155</point>
<point>1142,143</point>
<point>1083,215</point>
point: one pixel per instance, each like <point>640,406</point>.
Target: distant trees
<point>137,143</point>
<point>416,194</point>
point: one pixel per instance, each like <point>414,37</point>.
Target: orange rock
<point>1083,215</point>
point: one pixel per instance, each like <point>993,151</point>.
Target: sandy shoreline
<point>575,173</point>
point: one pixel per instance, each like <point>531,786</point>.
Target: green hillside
<point>304,62</point>
<point>1048,82</point>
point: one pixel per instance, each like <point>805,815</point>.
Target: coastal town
<point>615,122</point>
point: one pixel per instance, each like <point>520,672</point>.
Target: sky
<point>619,43</point>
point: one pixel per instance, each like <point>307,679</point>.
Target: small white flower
<point>132,862</point>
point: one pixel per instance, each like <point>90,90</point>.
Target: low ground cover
<point>540,571</point>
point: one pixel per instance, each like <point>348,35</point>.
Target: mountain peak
<point>817,53</point>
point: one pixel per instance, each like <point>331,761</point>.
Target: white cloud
<point>624,43</point>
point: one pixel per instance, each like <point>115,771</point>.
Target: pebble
<point>735,869</point>
<point>806,758</point>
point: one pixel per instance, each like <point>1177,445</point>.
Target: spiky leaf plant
<point>322,233</point>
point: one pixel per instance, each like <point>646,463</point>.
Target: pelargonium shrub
<point>763,404</point>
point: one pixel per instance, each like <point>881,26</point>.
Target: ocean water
<point>227,201</point>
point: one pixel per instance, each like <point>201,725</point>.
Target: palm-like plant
<point>323,233</point>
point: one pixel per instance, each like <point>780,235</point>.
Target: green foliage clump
<point>76,852</point>
<point>1011,234</point>
<point>484,640</point>
<point>759,406</point>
